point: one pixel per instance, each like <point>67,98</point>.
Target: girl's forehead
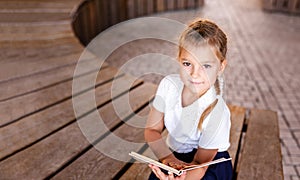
<point>200,53</point>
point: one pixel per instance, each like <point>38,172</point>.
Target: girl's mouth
<point>196,82</point>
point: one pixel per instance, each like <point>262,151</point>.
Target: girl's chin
<point>198,90</point>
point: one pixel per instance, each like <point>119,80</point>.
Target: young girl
<point>190,106</point>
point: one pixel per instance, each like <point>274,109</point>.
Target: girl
<point>191,108</point>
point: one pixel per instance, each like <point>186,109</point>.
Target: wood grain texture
<point>139,171</point>
<point>19,62</point>
<point>237,121</point>
<point>54,151</point>
<point>160,5</point>
<point>34,82</point>
<point>18,107</point>
<point>94,163</point>
<point>261,156</point>
<point>38,125</point>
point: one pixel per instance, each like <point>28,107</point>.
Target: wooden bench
<point>40,137</point>
<point>255,147</point>
<point>49,144</point>
<point>287,6</point>
<point>94,16</point>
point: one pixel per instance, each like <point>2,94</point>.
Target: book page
<point>145,159</point>
<point>191,167</point>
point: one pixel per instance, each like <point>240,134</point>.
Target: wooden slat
<point>38,63</point>
<point>92,21</point>
<point>140,171</point>
<point>150,6</point>
<point>33,17</point>
<point>114,15</point>
<point>39,31</point>
<point>131,9</point>
<point>171,5</point>
<point>141,4</point>
<point>83,16</point>
<point>190,3</point>
<point>40,124</point>
<point>261,156</point>
<point>160,5</point>
<point>180,4</point>
<point>237,121</point>
<point>38,50</point>
<point>18,107</point>
<point>50,154</point>
<point>123,10</point>
<point>199,3</point>
<point>95,164</point>
<point>33,5</point>
<point>15,87</point>
<point>103,10</point>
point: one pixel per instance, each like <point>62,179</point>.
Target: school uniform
<point>184,137</point>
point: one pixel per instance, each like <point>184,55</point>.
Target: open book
<point>145,159</point>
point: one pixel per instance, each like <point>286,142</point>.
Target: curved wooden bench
<point>39,133</point>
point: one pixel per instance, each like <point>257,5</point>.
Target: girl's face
<point>199,68</point>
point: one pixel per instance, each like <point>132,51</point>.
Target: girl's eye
<point>206,66</point>
<point>186,63</point>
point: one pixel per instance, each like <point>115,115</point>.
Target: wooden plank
<point>140,171</point>
<point>14,50</point>
<point>190,4</point>
<point>131,9</point>
<point>180,4</point>
<point>237,121</point>
<point>96,164</point>
<point>50,6</point>
<point>114,15</point>
<point>103,9</point>
<point>83,16</point>
<point>149,7</point>
<point>64,145</point>
<point>34,61</point>
<point>39,125</point>
<point>15,87</point>
<point>92,22</point>
<point>170,5</point>
<point>160,5</point>
<point>41,159</point>
<point>140,7</point>
<point>261,156</point>
<point>33,17</point>
<point>123,10</point>
<point>16,108</point>
<point>200,2</point>
<point>31,32</point>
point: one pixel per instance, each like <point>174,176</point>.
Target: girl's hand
<point>174,162</point>
<point>162,176</point>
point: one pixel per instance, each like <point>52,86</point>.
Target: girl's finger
<point>171,176</point>
<point>158,173</point>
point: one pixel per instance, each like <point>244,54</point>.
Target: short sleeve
<point>216,134</point>
<point>160,96</point>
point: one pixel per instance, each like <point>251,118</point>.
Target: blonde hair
<point>205,31</point>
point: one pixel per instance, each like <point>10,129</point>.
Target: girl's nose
<point>197,71</point>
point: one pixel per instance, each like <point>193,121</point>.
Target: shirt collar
<point>207,98</point>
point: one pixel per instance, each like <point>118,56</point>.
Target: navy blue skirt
<point>220,171</point>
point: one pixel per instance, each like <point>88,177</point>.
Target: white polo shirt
<point>182,122</point>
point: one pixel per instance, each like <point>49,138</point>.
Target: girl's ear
<point>222,67</point>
